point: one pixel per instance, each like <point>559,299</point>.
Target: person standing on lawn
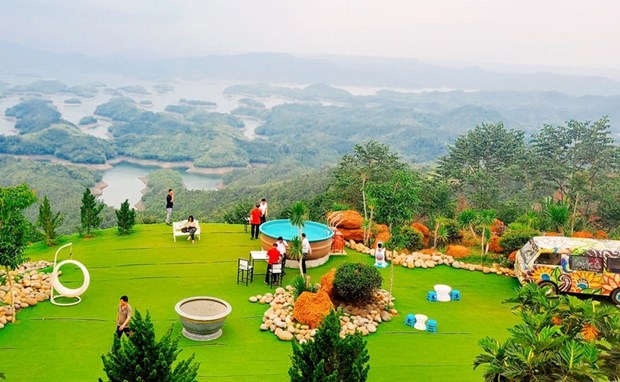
<point>123,317</point>
<point>273,257</point>
<point>169,204</point>
<point>263,210</point>
<point>255,220</point>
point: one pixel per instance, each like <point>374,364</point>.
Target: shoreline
<point>140,162</point>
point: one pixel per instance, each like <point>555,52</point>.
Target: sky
<point>570,35</point>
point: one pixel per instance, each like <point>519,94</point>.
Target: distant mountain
<point>285,68</point>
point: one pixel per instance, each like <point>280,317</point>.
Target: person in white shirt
<point>263,210</point>
<point>282,246</point>
<point>306,250</point>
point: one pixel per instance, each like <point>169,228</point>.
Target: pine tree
<point>141,358</point>
<point>90,211</point>
<point>48,221</point>
<point>125,218</point>
<point>329,357</point>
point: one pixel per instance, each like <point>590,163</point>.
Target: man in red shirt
<point>255,216</point>
<point>273,257</point>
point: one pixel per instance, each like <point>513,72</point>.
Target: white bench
<point>176,229</point>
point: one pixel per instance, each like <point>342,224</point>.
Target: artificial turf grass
<point>156,273</point>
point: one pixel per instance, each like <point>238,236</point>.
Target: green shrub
<point>355,283</point>
<point>239,212</point>
<point>406,237</point>
<point>513,239</point>
<point>145,218</point>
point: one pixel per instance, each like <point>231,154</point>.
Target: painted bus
<point>571,265</point>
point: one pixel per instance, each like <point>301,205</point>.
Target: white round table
<point>443,292</point>
<point>420,322</point>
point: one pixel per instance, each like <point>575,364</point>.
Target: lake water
<point>124,183</point>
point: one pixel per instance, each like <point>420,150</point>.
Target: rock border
<point>423,260</point>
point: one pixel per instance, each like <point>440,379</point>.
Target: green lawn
<point>51,343</point>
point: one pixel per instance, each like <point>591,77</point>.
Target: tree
<point>329,357</point>
<point>557,214</point>
<point>575,160</point>
<point>485,219</point>
<point>89,211</point>
<point>371,163</point>
<point>486,164</point>
<point>141,358</point>
<point>13,228</point>
<point>466,219</point>
<point>48,221</point>
<point>396,203</point>
<point>298,215</point>
<point>126,218</point>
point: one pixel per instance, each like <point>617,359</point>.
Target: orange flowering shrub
<point>494,245</point>
<point>327,283</point>
<point>512,256</point>
<point>457,251</point>
<point>583,234</point>
<point>310,308</point>
<point>426,233</point>
<point>601,235</point>
<point>468,240</point>
<point>498,227</point>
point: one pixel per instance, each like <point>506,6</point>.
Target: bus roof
<point>569,244</point>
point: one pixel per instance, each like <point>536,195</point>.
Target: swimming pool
<point>319,235</point>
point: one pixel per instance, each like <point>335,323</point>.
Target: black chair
<point>245,271</point>
<point>275,275</point>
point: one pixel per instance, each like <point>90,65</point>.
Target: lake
<point>124,183</point>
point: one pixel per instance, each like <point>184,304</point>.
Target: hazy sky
<point>567,33</point>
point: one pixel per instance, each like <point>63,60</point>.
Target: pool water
<point>282,227</point>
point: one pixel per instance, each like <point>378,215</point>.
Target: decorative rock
<point>253,299</point>
<point>284,335</point>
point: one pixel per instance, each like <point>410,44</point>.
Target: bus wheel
<point>553,289</point>
<point>615,296</point>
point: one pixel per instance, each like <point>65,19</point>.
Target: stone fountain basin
<point>202,317</point>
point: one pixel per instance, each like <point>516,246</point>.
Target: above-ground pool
<point>319,235</point>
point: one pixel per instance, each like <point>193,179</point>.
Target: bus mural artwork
<point>573,265</point>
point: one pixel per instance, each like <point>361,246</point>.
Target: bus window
<point>548,259</point>
<point>613,265</point>
<point>585,263</point>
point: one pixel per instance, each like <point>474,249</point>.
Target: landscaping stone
<point>29,288</point>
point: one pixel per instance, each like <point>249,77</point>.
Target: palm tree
<point>440,231</point>
<point>298,214</point>
<point>486,218</point>
<point>367,224</point>
<point>466,219</point>
<point>558,213</point>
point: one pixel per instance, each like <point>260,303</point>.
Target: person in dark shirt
<point>169,204</point>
